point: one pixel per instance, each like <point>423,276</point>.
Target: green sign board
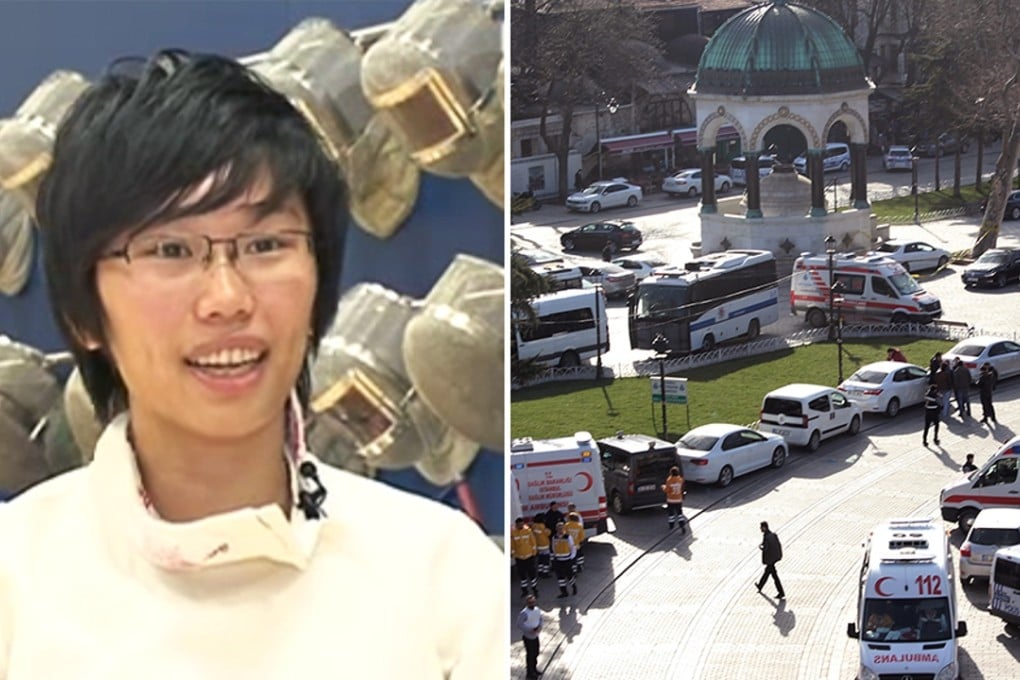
<point>676,391</point>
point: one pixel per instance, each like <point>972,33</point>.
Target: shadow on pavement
<point>784,619</point>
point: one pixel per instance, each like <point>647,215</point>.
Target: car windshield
<point>593,189</point>
<point>906,620</point>
<point>991,257</point>
<point>661,300</point>
<point>697,442</point>
<point>905,284</point>
<point>899,152</point>
<point>870,376</point>
<point>967,350</point>
<point>994,536</point>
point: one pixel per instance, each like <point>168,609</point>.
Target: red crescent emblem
<point>878,586</point>
<point>587,476</point>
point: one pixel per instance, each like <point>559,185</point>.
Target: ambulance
<point>565,470</point>
<point>906,603</point>
<point>872,288</point>
<point>994,485</point>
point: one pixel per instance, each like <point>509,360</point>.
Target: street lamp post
<point>913,187</point>
<point>836,289</point>
<point>661,347</point>
<point>830,250</point>
<point>598,332</point>
<point>612,107</point>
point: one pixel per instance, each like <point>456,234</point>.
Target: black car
<point>594,236</point>
<point>995,267</point>
<point>1012,211</point>
<point>635,467</point>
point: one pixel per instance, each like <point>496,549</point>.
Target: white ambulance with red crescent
<point>995,484</point>
<point>906,604</point>
<point>871,288</point>
<point>565,470</point>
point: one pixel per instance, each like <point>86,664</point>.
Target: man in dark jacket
<point>771,552</point>
<point>961,387</point>
<point>986,384</point>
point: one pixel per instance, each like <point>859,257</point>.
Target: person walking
<point>944,381</point>
<point>575,528</point>
<point>961,387</point>
<point>933,366</point>
<point>968,465</point>
<point>674,490</point>
<point>563,554</point>
<point>578,181</point>
<point>986,385</point>
<point>931,413</point>
<point>529,622</point>
<point>524,550</point>
<point>542,536</point>
<point>771,552</point>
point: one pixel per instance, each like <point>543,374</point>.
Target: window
<point>559,323</point>
<point>526,148</point>
<point>732,441</point>
<point>1007,574</point>
<point>853,284</point>
<point>994,536</point>
<point>880,286</point>
<point>820,404</point>
<point>1003,472</point>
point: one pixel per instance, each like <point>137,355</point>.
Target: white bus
<point>569,327</point>
<point>1004,585</point>
<point>716,297</point>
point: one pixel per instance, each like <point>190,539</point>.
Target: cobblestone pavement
<point>654,604</point>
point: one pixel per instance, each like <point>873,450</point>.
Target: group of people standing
<point>952,381</point>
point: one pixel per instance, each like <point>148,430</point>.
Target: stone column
<point>817,175</point>
<point>708,204</point>
<point>859,175</point>
<point>753,186</point>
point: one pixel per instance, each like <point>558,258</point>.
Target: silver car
<point>993,528</point>
<point>886,386</point>
<point>615,281</point>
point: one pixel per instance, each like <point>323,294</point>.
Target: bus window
<point>661,301</point>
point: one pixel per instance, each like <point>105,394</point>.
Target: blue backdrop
<point>38,37</point>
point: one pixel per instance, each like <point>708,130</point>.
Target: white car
<point>640,266</point>
<point>886,386</point>
<point>688,183</point>
<point>993,528</point>
<point>716,453</point>
<point>615,281</point>
<point>806,414</point>
<point>915,256</point>
<point>898,158</point>
<point>1003,354</point>
<point>605,194</point>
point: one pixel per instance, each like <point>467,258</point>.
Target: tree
<point>984,86</point>
<point>525,285</point>
<point>566,53</point>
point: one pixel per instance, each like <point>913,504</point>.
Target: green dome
<point>779,48</point>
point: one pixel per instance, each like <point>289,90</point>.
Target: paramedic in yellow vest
<point>575,528</point>
<point>563,553</point>
<point>542,535</point>
<point>674,489</point>
<point>524,551</point>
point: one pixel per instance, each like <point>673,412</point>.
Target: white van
<point>570,326</point>
<point>835,157</point>
<point>994,484</point>
<point>738,168</point>
<point>1004,585</point>
<point>805,414</point>
<point>906,612</point>
<point>872,288</point>
<point>565,470</point>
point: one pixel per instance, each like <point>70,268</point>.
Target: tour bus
<point>872,288</point>
<point>569,327</point>
<point>716,297</point>
<point>563,469</point>
<point>906,603</point>
<point>1004,585</point>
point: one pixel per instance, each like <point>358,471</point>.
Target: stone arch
<point>856,124</point>
<point>783,116</point>
<point>710,127</point>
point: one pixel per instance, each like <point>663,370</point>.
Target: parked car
<point>992,529</point>
<point>738,168</point>
<point>835,157</point>
<point>615,281</point>
<point>1003,354</point>
<point>915,255</point>
<point>805,414</point>
<point>886,386</point>
<point>634,466</point>
<point>605,194</point>
<point>688,183</point>
<point>1012,211</point>
<point>534,256</point>
<point>897,158</point>
<point>716,453</point>
<point>945,144</point>
<point>595,235</point>
<point>639,265</point>
<point>995,267</point>
<point>560,274</point>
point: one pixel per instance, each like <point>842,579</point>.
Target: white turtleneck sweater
<point>389,585</point>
